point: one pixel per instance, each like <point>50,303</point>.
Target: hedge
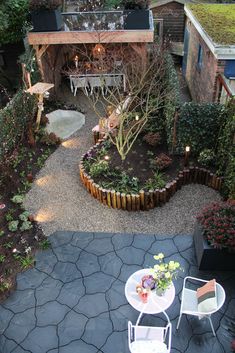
<point>198,126</point>
<point>14,119</point>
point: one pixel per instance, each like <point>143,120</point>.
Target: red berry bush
<point>218,221</point>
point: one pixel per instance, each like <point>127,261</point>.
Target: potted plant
<point>214,237</point>
<point>136,14</point>
<point>46,15</point>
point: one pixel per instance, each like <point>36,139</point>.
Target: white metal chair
<point>189,303</point>
<point>142,339</point>
<point>96,82</point>
<point>80,82</point>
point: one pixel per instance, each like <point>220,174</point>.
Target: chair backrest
<point>79,81</point>
<point>95,81</point>
<point>147,333</point>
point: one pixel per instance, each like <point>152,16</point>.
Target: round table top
<point>155,304</point>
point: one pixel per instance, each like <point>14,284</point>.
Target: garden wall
<point>147,200</point>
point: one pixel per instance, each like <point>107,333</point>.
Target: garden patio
<point>73,300</point>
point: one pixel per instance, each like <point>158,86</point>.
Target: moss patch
<point>218,20</point>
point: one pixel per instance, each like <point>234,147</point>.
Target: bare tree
<point>143,97</point>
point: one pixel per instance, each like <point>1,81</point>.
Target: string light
<point>137,117</point>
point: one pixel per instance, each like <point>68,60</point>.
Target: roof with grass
<point>217,20</point>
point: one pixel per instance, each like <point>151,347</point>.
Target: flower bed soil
<point>15,179</point>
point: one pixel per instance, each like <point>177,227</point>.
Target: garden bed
<point>137,184</point>
<point>20,235</point>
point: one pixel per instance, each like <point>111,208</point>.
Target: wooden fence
<point>146,200</point>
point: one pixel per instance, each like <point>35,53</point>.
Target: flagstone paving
<point>73,300</point>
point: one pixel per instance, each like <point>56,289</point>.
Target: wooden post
<point>151,199</point>
<point>133,202</point>
<point>146,201</point>
<point>156,197</point>
<point>142,203</point>
<point>39,51</point>
<point>109,198</point>
<point>113,198</point>
<point>137,200</point>
<point>119,204</point>
<point>123,200</point>
<point>104,197</point>
<point>128,202</point>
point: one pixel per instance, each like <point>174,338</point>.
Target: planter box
<point>209,258</point>
<point>46,20</point>
<point>136,19</point>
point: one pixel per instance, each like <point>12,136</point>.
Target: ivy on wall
<point>14,120</point>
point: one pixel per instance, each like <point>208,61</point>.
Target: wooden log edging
<point>150,199</point>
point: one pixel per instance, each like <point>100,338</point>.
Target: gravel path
<point>60,202</point>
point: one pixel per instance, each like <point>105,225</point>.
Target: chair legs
<point>178,323</point>
<point>212,327</point>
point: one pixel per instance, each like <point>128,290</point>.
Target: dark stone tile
<point>165,246</point>
<point>98,283</point>
<point>6,316</point>
<point>50,313</point>
<point>97,330</point>
<point>66,272</point>
<point>41,339</point>
<point>110,264</point>
<point>88,263</point>
<point>92,305</point>
<point>131,256</point>
<point>60,238</point>
<point>100,246</point>
<point>71,293</point>
<point>81,240</point>
<point>127,270</point>
<point>143,242</point>
<point>20,325</point>
<point>71,328</point>
<point>30,279</point>
<point>120,241</point>
<point>115,296</point>
<point>48,290</point>
<point>20,301</point>
<point>116,343</point>
<point>78,347</point>
<point>45,261</point>
<point>67,253</point>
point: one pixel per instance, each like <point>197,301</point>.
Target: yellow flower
<point>156,267</point>
<point>161,255</point>
<point>162,267</point>
<point>171,265</point>
<point>177,265</point>
<point>167,275</point>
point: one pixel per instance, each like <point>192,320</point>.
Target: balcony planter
<point>209,258</point>
<point>136,19</point>
<point>46,20</point>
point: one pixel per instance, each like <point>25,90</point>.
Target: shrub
<point>199,125</point>
<point>218,222</point>
<point>153,139</point>
<point>162,161</point>
<point>98,168</point>
<point>157,182</point>
<point>35,5</point>
<point>206,157</point>
<point>50,139</point>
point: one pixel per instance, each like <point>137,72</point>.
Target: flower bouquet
<point>163,273</point>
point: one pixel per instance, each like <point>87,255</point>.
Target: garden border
<point>147,200</point>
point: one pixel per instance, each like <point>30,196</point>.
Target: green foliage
<point>217,20</point>
<point>24,216</point>
<point>4,285</point>
<point>26,262</point>
<point>206,157</point>
<point>98,168</point>
<point>2,233</point>
<point>2,258</point>
<point>226,152</point>
<point>121,182</point>
<point>13,226</point>
<point>13,20</point>
<point>135,4</point>
<point>8,245</point>
<point>18,199</point>
<point>26,225</point>
<point>157,182</point>
<point>36,5</point>
<point>45,244</point>
<point>112,4</point>
<point>9,215</point>
<point>199,125</point>
<point>14,120</point>
<point>28,59</point>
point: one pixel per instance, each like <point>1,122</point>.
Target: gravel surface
<point>60,202</point>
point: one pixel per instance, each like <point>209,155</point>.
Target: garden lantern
<point>186,155</point>
<point>98,51</point>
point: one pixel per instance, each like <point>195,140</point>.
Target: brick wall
<point>173,20</point>
<point>202,82</point>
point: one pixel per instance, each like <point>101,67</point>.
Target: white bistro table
<point>155,304</point>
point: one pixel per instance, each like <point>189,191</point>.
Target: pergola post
<point>40,50</point>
